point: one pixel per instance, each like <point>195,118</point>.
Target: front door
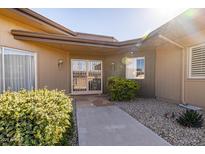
<point>86,76</point>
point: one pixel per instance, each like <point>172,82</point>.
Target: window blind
<point>198,61</point>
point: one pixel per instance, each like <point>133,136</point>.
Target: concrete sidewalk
<point>110,126</point>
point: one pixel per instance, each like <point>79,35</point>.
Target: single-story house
<point>169,63</point>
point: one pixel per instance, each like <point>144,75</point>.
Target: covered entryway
<point>86,76</point>
<point>84,59</point>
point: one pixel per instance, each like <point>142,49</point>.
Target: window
<point>197,62</point>
<point>135,68</point>
<point>1,73</point>
<point>17,70</point>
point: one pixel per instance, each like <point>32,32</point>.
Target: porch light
<point>60,62</point>
<point>138,44</point>
<point>113,68</point>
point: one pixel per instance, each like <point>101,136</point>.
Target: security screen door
<point>86,76</point>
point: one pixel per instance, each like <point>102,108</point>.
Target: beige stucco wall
<point>113,66</point>
<point>194,88</point>
<point>48,73</point>
<point>194,92</point>
<point>168,72</point>
<point>147,84</point>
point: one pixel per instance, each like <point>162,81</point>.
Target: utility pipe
<point>183,67</point>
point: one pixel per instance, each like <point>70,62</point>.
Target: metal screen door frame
<point>87,91</point>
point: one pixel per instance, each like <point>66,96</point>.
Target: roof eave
<point>25,35</point>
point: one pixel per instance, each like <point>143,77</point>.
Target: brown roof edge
<point>133,41</point>
<point>104,36</point>
<point>73,39</point>
<point>37,16</point>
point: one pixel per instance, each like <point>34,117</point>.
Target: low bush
<point>38,117</point>
<point>121,89</point>
<point>191,118</point>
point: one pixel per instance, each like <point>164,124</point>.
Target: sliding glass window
<point>18,69</point>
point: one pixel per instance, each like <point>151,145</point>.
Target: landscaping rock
<point>161,118</point>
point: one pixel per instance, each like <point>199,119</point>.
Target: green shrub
<point>38,117</point>
<point>190,118</point>
<point>121,89</point>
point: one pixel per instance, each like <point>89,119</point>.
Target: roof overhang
<point>62,39</point>
<point>76,45</point>
<point>176,29</point>
<point>188,24</point>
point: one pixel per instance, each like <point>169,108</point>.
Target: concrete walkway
<point>110,126</point>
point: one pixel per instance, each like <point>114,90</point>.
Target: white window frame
<point>135,77</point>
<point>190,63</point>
<point>22,51</point>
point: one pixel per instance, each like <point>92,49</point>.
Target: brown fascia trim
<point>137,41</point>
<point>25,34</point>
<point>37,16</point>
<point>102,36</point>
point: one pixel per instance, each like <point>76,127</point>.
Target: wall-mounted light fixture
<point>138,44</point>
<point>60,63</point>
<point>113,68</point>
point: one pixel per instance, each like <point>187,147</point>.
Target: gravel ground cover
<point>159,117</point>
